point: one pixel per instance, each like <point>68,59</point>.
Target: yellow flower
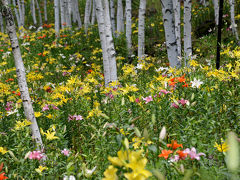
<point>193,63</point>
<point>50,134</point>
<point>40,169</point>
<point>223,147</point>
<point>37,114</point>
<point>110,173</point>
<point>121,159</point>
<point>3,150</point>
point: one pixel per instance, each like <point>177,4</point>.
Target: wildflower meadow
<point>154,122</point>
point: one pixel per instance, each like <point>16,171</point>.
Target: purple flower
<point>9,106</point>
<point>193,153</point>
<point>163,91</point>
<point>183,101</point>
<point>75,117</point>
<point>54,107</point>
<point>65,152</point>
<point>46,107</point>
<point>36,155</point>
<point>148,99</point>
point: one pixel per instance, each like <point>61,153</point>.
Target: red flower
<point>182,155</point>
<point>2,176</point>
<point>165,153</point>
<point>174,145</point>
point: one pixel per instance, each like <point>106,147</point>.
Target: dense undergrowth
<point>84,125</point>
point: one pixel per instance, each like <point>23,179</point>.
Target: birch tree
<point>109,41</point>
<point>120,20</point>
<point>87,15</point>
<point>177,20</point>
<point>112,16</point>
<point>171,42</point>
<point>101,28</point>
<point>39,13</point>
<point>20,70</point>
<point>93,13</point>
<point>216,10</point>
<point>141,29</point>
<point>33,11</point>
<point>45,11</point>
<point>78,14</point>
<point>56,13</point>
<point>16,13</point>
<point>187,29</point>
<point>62,13</point>
<point>233,24</point>
<point>1,23</point>
<point>68,12</point>
<point>129,26</point>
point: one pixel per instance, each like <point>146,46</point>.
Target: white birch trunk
<point>93,13</point>
<point>23,12</point>
<point>216,10</point>
<point>56,13</point>
<point>187,30</point>
<point>233,24</point>
<point>141,29</point>
<point>78,16</point>
<point>110,44</point>
<point>129,26</point>
<point>112,15</point>
<point>171,42</point>
<point>101,28</point>
<point>21,76</point>
<point>68,13</point>
<point>20,13</point>
<point>177,18</point>
<point>45,11</point>
<point>1,23</point>
<point>74,12</point>
<point>16,14</point>
<point>120,20</point>
<point>87,15</point>
<point>39,13</point>
<point>63,16</point>
<point>33,10</point>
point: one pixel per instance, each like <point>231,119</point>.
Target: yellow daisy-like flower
<point>37,114</point>
<point>40,169</point>
<point>110,173</point>
<point>223,147</point>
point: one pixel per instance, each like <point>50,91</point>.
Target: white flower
<point>69,178</point>
<point>88,172</point>
<point>161,69</point>
<point>139,66</point>
<point>196,83</point>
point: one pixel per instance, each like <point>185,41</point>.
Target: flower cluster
<point>36,155</point>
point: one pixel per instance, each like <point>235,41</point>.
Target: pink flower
<point>174,105</point>
<point>46,107</point>
<point>9,106</point>
<point>36,155</point>
<point>148,99</point>
<point>78,117</point>
<point>54,107</point>
<point>65,152</point>
<point>193,153</point>
<point>137,100</point>
<point>183,101</point>
<point>163,91</point>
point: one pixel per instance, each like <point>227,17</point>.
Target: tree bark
<point>177,18</point>
<point>39,13</point>
<point>171,42</point>
<point>141,29</point>
<point>120,20</point>
<point>216,10</point>
<point>1,23</point>
<point>187,30</point>
<point>233,24</point>
<point>33,10</point>
<point>21,76</point>
<point>16,14</point>
<point>93,13</point>
<point>87,15</point>
<point>112,16</point>
<point>110,45</point>
<point>78,15</point>
<point>45,11</point>
<point>129,26</point>
<point>101,27</point>
<point>56,13</point>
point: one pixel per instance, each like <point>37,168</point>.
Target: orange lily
<point>174,145</point>
<point>165,153</point>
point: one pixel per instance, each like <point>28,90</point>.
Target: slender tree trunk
<point>129,26</point>
<point>16,14</point>
<point>56,13</point>
<point>78,15</point>
<point>23,12</point>
<point>112,15</point>
<point>219,34</point>
<point>20,13</point>
<point>93,13</point>
<point>63,14</point>
<point>33,10</point>
<point>101,27</point>
<point>110,45</point>
<point>39,13</point>
<point>68,13</point>
<point>45,11</point>
<point>171,42</point>
<point>177,18</point>
<point>216,10</point>
<point>187,30</point>
<point>141,29</point>
<point>1,23</point>
<point>21,76</point>
<point>87,15</point>
<point>120,20</point>
<point>233,24</point>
